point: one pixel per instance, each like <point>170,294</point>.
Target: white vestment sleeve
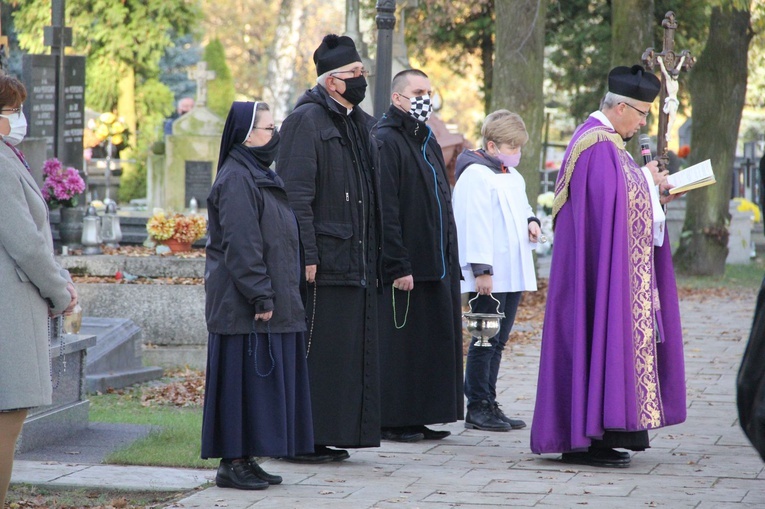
<point>659,218</point>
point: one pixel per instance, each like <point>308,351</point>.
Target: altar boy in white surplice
<point>496,232</point>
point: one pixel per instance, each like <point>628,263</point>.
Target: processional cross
<point>202,76</point>
<point>671,64</point>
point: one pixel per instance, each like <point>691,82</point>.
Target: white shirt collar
<point>602,118</point>
<point>347,111</point>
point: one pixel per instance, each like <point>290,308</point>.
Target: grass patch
<point>744,276</point>
<point>174,440</point>
<point>27,496</point>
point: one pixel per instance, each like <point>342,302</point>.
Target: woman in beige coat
<point>32,285</point>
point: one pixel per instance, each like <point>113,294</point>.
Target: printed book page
<point>693,177</point>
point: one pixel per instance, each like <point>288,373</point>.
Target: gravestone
<point>69,411</point>
<point>41,110</point>
<point>198,181</point>
<point>187,168</point>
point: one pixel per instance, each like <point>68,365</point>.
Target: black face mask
<point>266,154</point>
<point>355,89</point>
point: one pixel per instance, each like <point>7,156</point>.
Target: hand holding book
<point>693,177</point>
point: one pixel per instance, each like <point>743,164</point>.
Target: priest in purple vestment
<point>612,356</point>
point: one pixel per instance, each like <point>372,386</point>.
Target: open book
<point>698,175</point>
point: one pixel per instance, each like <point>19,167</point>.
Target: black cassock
<point>751,380</point>
<point>421,366</point>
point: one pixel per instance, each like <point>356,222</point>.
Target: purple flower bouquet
<point>61,185</point>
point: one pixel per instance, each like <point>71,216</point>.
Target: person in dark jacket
<point>257,397</point>
<point>750,383</point>
<point>420,312</point>
<point>328,162</point>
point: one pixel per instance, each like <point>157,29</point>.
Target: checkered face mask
<point>421,108</point>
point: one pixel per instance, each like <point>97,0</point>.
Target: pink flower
<point>61,185</point>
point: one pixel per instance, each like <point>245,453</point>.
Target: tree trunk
<point>126,102</point>
<point>718,89</point>
<point>519,74</point>
<point>280,81</point>
<point>631,30</point>
<point>631,33</point>
<point>487,66</point>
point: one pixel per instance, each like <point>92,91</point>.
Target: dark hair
<point>401,79</point>
<point>12,91</point>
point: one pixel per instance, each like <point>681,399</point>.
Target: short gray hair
<point>612,100</point>
<point>322,79</point>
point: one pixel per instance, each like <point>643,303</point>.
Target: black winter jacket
<point>420,236</point>
<point>253,252</point>
<point>332,180</point>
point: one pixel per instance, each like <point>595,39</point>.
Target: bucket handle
<point>470,302</point>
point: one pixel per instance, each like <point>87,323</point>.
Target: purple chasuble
<point>612,352</point>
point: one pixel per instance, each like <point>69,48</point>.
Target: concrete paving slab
<point>703,463</point>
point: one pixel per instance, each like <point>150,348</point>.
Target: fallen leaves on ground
<point>140,280</point>
<point>143,251</point>
<point>186,388</point>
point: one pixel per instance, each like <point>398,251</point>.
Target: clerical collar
<point>603,119</point>
<point>342,106</point>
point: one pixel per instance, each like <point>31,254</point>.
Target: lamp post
<point>386,22</point>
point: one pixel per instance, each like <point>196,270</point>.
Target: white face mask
<point>18,128</point>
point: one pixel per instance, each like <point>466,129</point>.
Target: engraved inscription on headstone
<point>198,181</point>
<point>39,77</point>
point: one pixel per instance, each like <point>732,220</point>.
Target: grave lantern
<point>91,234</point>
<point>111,233</point>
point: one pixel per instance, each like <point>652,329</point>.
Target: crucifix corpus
<point>202,76</point>
<point>671,64</point>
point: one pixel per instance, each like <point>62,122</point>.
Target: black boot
<point>262,474</point>
<point>237,474</point>
<point>514,423</point>
<point>482,417</point>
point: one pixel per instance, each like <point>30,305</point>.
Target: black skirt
<point>261,409</point>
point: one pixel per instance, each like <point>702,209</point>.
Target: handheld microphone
<point>645,148</point>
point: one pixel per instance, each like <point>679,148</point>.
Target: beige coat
<point>31,283</point>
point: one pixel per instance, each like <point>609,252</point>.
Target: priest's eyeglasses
<point>643,114</point>
<point>11,112</point>
<point>359,71</point>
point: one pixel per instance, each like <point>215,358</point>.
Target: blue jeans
<point>482,365</point>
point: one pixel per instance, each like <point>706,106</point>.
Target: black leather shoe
<point>335,454</point>
<point>312,458</point>
<point>482,417</point>
<point>262,474</point>
<point>237,474</point>
<point>598,458</point>
<point>430,434</point>
<point>514,423</point>
<point>404,434</point>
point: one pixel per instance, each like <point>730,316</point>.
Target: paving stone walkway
<point>705,463</point>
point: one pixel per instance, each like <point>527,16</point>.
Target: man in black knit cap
<point>328,162</point>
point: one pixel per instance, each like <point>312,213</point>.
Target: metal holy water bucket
<point>482,326</point>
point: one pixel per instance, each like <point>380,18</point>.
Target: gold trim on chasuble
<point>640,245</point>
<point>644,332</point>
<point>585,141</point>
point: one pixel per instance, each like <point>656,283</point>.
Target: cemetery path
<point>705,462</point>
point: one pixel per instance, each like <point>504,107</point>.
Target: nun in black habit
<point>257,396</point>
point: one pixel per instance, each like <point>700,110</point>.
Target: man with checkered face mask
<point>419,313</point>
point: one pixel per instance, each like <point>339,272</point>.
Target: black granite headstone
<point>39,76</point>
<point>198,181</point>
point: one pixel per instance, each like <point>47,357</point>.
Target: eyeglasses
<point>356,73</point>
<point>273,130</point>
<point>643,114</point>
<point>12,112</point>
